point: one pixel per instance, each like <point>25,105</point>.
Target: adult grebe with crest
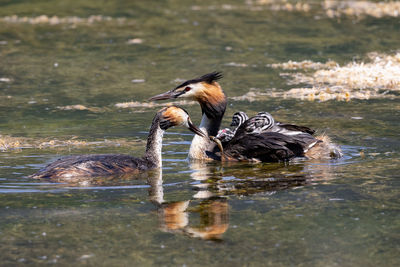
<point>254,146</point>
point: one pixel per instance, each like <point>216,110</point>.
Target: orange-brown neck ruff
<point>212,93</point>
<point>213,104</point>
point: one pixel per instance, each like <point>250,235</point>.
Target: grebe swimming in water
<point>264,146</point>
<point>116,164</point>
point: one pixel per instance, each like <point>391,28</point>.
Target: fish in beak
<point>218,142</point>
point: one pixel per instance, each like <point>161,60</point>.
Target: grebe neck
<point>154,144</point>
<point>210,123</point>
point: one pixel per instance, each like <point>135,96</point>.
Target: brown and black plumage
<point>260,138</point>
<point>267,146</point>
<point>281,141</point>
<point>116,164</point>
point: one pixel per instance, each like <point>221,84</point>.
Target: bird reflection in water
<point>206,214</point>
<point>174,217</point>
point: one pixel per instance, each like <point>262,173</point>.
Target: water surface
<point>343,212</point>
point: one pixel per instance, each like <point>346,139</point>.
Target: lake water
<point>75,77</point>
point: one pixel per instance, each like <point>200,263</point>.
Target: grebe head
<point>239,118</point>
<point>204,88</point>
<point>176,116</point>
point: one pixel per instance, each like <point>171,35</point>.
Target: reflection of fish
<point>115,164</point>
<point>264,146</point>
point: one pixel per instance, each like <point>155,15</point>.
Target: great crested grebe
<point>232,147</point>
<point>264,146</point>
<point>116,164</point>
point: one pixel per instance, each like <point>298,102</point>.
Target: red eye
<point>187,89</point>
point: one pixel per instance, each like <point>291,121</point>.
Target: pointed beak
<point>196,130</point>
<point>167,95</point>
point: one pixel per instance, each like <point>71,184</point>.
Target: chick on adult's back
<point>266,141</point>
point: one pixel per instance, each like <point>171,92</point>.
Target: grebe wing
<point>266,147</point>
<point>295,128</point>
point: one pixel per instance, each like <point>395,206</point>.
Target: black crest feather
<point>208,78</point>
<point>211,77</point>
